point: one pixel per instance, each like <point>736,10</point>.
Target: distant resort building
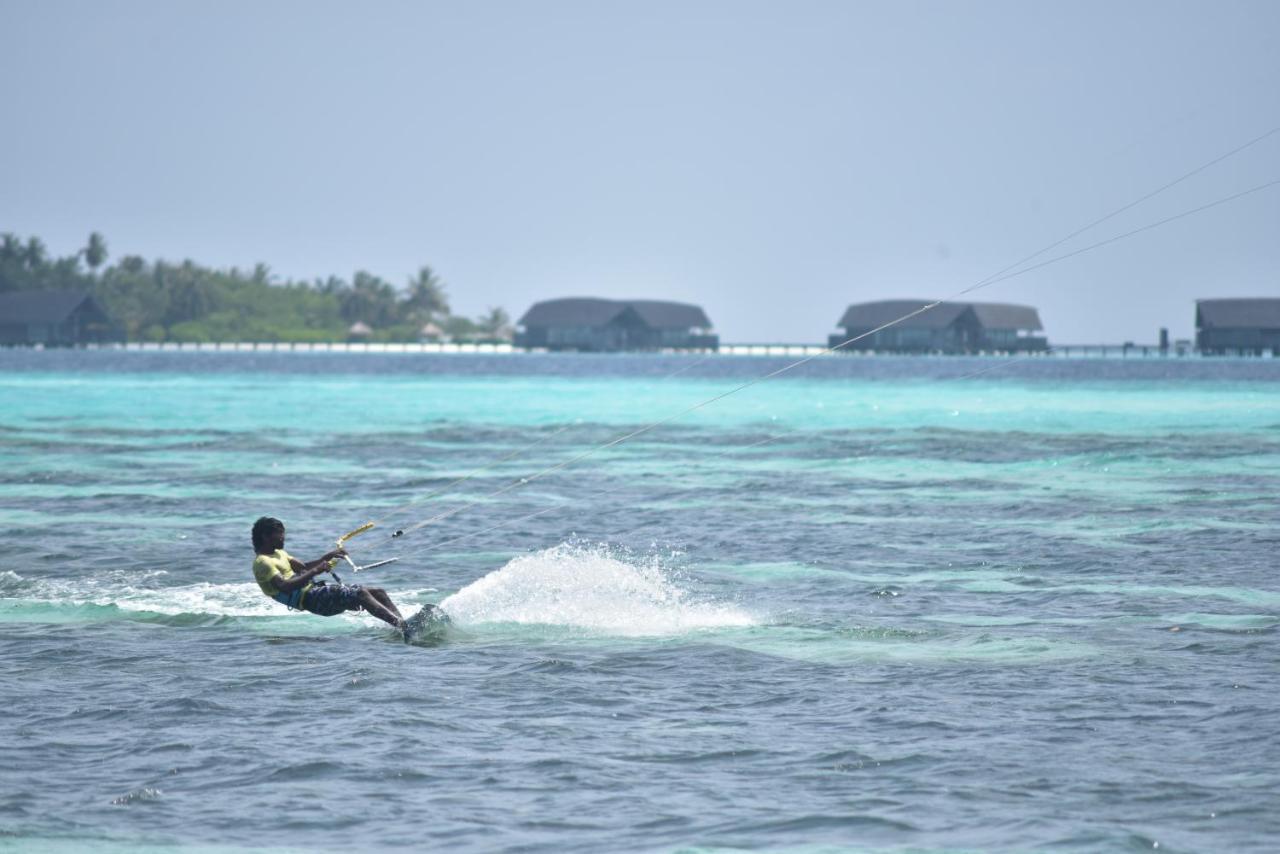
<point>949,327</point>
<point>600,325</point>
<point>54,319</point>
<point>1244,326</point>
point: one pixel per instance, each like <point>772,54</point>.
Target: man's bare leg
<point>381,596</point>
<point>382,612</point>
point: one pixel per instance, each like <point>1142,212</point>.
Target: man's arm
<point>299,566</point>
<point>304,572</point>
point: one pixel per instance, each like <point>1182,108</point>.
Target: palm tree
<point>133,264</point>
<point>10,247</point>
<point>34,255</point>
<point>190,298</point>
<point>495,322</point>
<point>330,286</point>
<point>426,297</point>
<point>95,254</point>
<point>370,300</point>
<point>65,272</point>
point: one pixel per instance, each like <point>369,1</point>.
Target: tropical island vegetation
<point>186,302</point>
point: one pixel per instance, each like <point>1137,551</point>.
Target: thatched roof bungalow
<point>589,324</point>
<point>949,327</point>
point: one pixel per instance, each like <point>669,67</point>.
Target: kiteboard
<point>429,622</point>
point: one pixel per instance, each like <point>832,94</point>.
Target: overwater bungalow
<point>593,325</point>
<point>1239,325</point>
<point>949,327</point>
<point>54,318</point>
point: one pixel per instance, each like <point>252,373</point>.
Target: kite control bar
<point>354,567</point>
<point>357,532</point>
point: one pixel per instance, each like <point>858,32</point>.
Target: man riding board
<point>289,581</point>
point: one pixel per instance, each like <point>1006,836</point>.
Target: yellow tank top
<point>266,568</point>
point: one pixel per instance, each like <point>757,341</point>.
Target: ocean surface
<point>872,604</point>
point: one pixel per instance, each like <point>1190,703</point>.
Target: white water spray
<point>589,589</point>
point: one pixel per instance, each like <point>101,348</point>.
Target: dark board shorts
<point>328,599</point>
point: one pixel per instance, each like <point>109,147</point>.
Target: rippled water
<point>874,604</point>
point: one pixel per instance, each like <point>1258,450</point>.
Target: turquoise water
<point>873,604</point>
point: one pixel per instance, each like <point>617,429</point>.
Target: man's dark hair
<point>263,528</point>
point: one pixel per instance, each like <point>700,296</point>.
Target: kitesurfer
<point>289,581</point>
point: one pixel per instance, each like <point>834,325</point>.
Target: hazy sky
<point>772,162</point>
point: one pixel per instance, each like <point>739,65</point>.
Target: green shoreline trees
<point>163,301</point>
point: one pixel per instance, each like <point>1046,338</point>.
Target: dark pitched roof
<point>670,315</point>
<point>1261,312</point>
<point>590,311</point>
<point>992,315</point>
<point>571,311</point>
<point>869,315</point>
<point>1003,315</point>
<point>52,307</point>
